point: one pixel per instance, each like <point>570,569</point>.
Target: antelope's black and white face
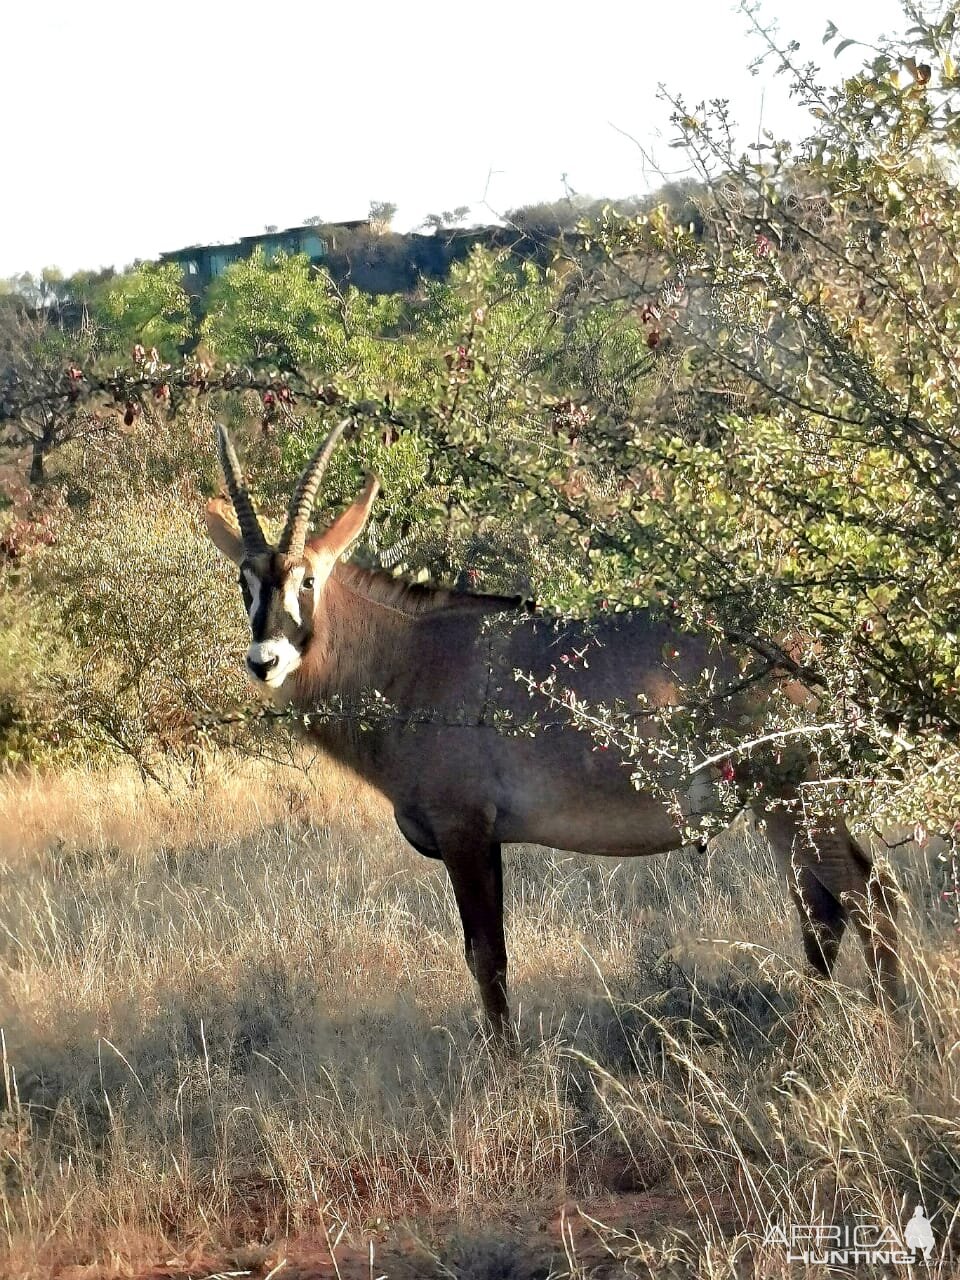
<point>282,586</point>
<point>279,599</point>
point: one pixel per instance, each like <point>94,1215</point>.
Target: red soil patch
<point>591,1231</point>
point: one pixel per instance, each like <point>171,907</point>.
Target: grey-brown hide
<point>444,664</point>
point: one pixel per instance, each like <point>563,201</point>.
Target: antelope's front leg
<point>475,866</point>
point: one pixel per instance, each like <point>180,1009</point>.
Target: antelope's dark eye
<point>306,584</point>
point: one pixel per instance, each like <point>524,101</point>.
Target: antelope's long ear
<point>348,526</point>
<point>223,529</point>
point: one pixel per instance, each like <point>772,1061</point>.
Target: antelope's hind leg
<point>822,921</point>
<point>833,882</point>
<point>873,911</point>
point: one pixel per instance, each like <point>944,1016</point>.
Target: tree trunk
<point>37,460</point>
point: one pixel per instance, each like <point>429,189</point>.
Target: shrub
<point>280,312</point>
<point>148,615</point>
<point>147,305</point>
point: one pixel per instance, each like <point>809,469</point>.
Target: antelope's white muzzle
<point>271,661</point>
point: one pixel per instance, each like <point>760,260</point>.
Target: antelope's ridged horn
<point>301,504</point>
<point>253,540</point>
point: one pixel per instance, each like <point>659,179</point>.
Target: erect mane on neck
<point>415,598</point>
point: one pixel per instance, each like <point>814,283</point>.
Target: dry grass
<point>84,810</point>
<point>226,1022</point>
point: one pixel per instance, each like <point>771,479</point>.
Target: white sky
<point>130,128</point>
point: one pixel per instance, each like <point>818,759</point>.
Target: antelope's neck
<point>358,646</point>
<point>355,675</point>
<point>386,657</point>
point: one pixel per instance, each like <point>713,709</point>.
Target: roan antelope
<point>461,788</point>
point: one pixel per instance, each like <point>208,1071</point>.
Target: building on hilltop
<point>202,263</point>
<point>363,253</point>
